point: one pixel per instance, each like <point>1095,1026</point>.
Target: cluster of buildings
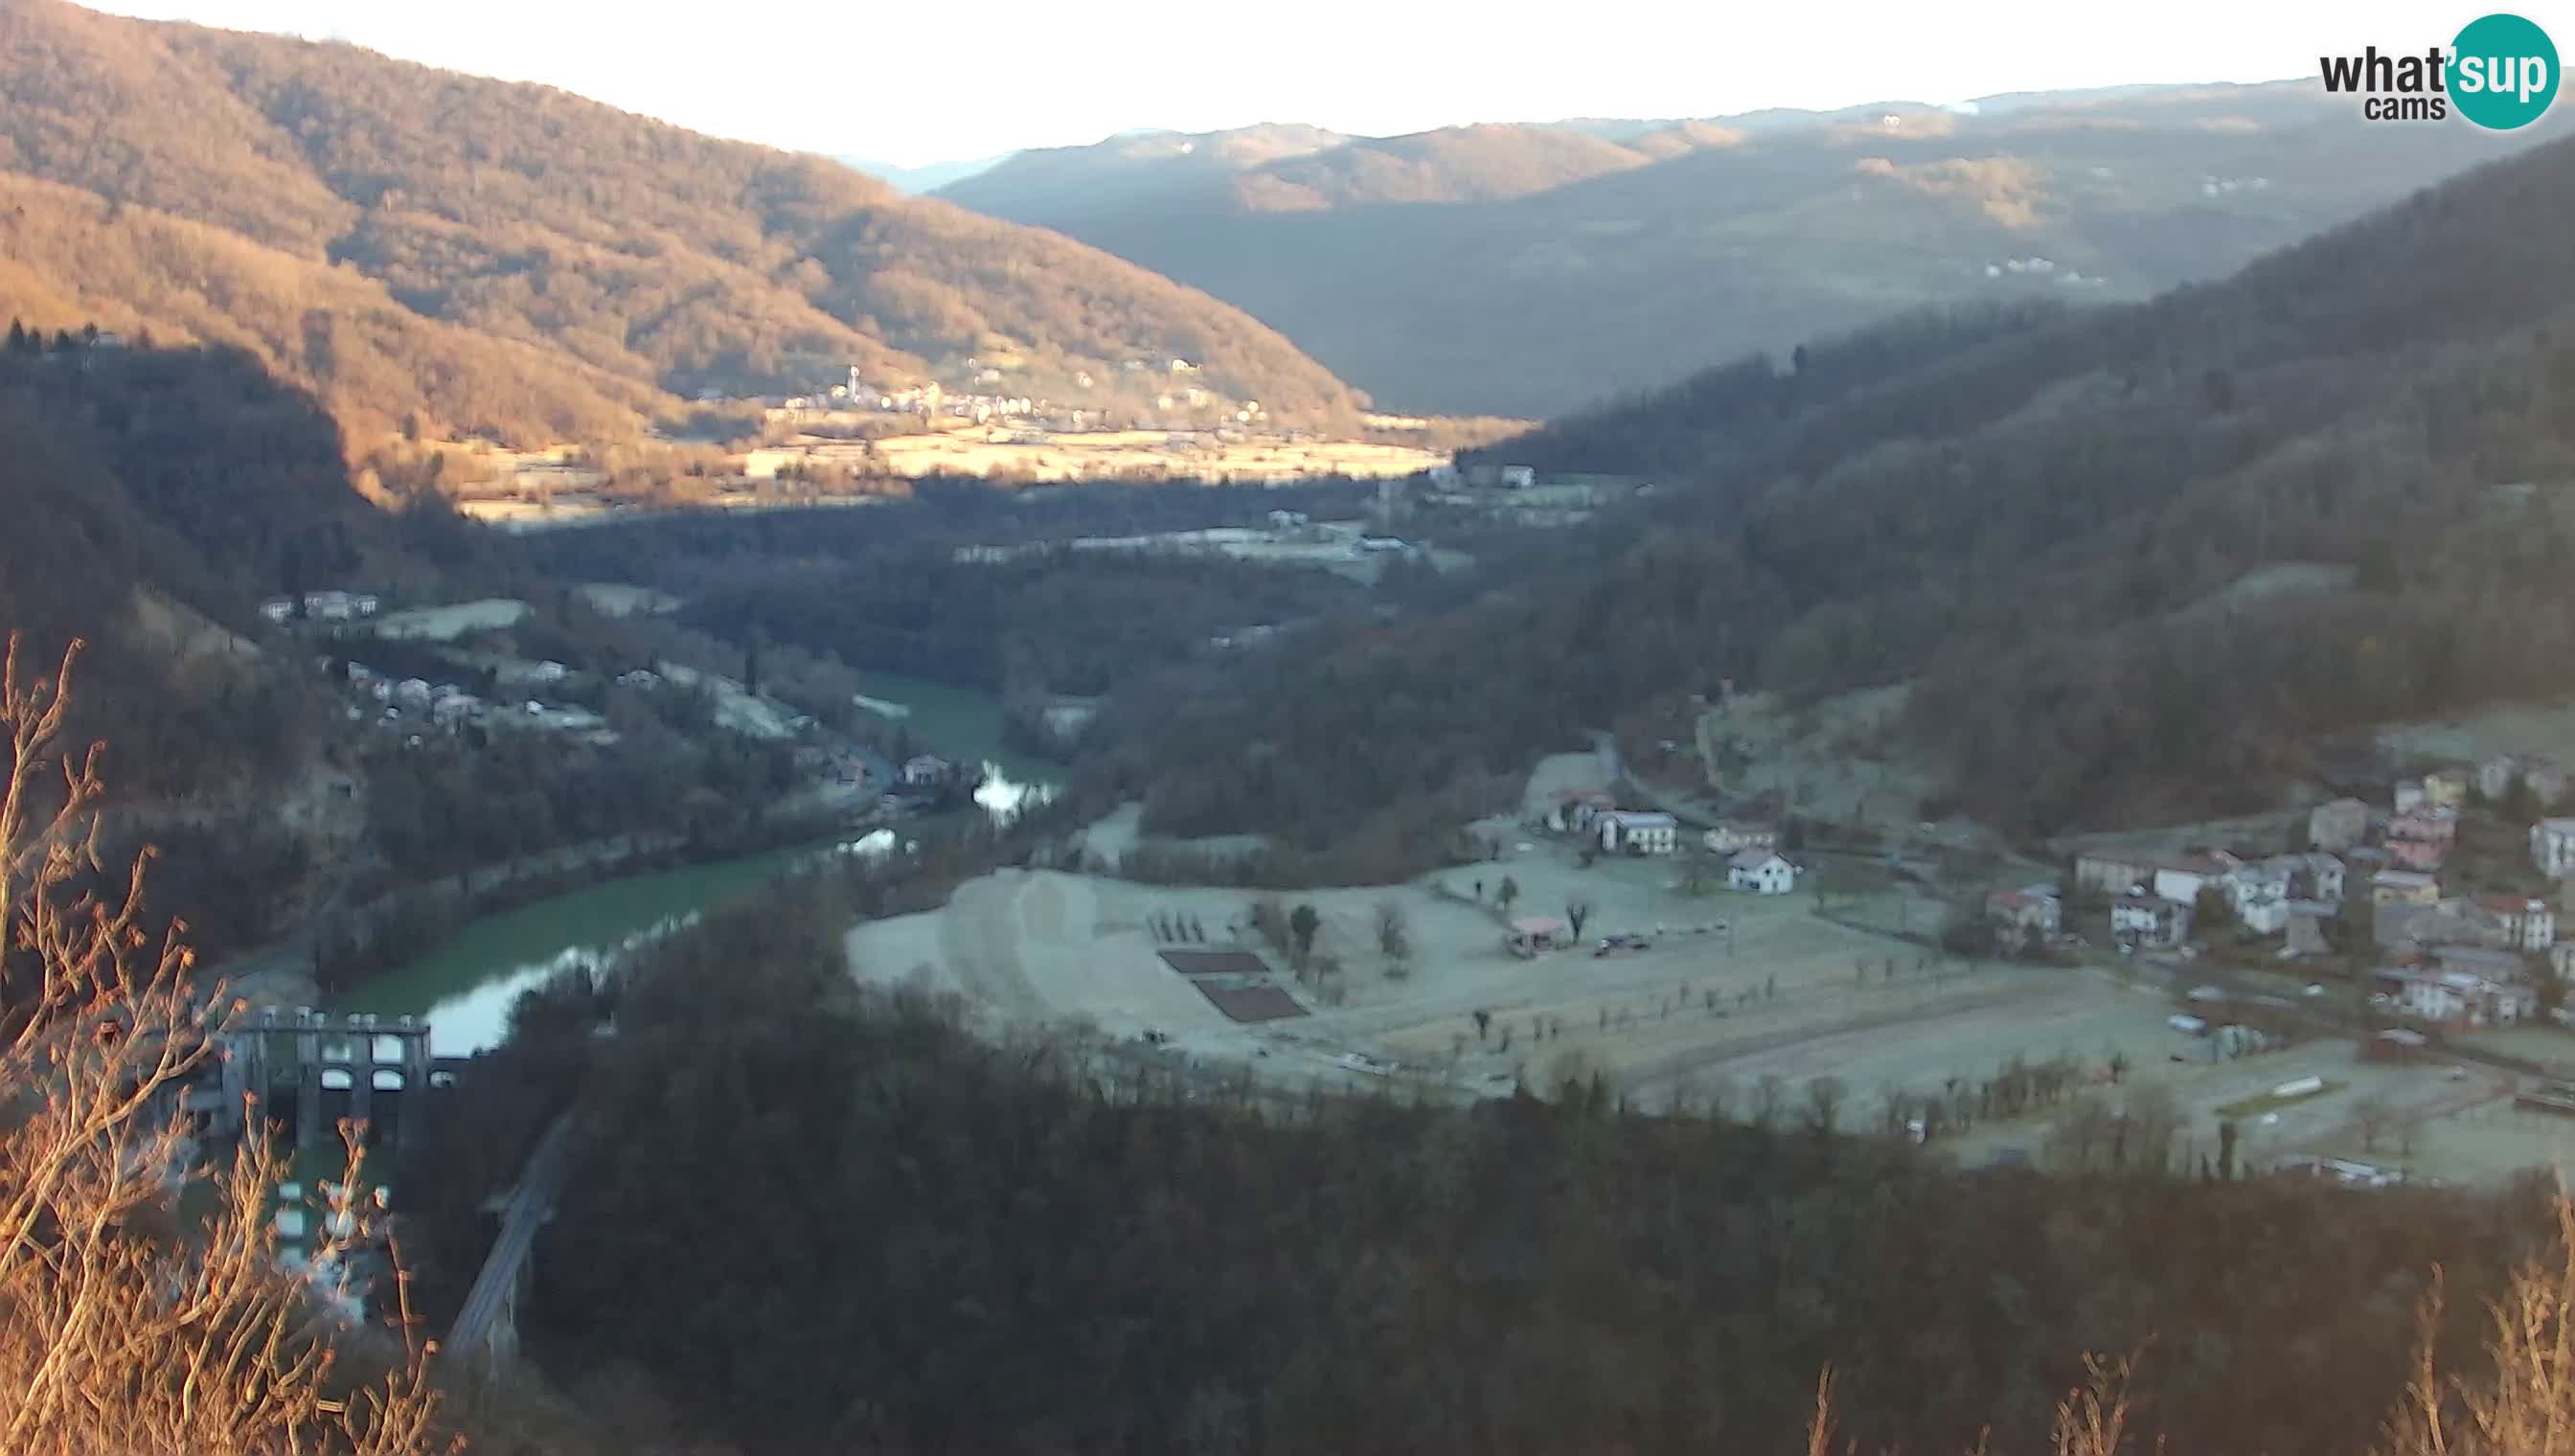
<point>1750,848</point>
<point>2442,954</point>
<point>409,704</point>
<point>332,606</point>
<point>1164,384</point>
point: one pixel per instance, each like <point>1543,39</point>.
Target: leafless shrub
<point>123,1327</point>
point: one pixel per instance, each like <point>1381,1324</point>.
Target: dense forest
<point>481,257</point>
<point>873,1230</point>
<point>883,588</point>
<point>1531,269</point>
<point>2057,530</point>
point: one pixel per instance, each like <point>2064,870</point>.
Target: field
<point>445,624</point>
<point>1736,999</point>
<point>1110,455</point>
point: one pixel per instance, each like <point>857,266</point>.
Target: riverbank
<point>469,946</point>
<point>466,986</point>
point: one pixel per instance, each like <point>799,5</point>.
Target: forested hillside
<point>1530,270</point>
<point>515,260</point>
<point>873,1230</point>
<point>2011,514</point>
<point>151,499</point>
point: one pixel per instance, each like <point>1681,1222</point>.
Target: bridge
<point>487,1327</point>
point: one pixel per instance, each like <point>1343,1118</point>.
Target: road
<point>531,1203</point>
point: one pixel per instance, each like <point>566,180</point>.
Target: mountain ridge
<point>1753,232</point>
<point>654,262</point>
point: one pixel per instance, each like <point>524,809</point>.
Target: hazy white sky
<point>914,81</point>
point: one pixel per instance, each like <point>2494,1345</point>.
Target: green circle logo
<point>2503,72</point>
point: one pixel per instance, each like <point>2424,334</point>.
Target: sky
<point>916,83</point>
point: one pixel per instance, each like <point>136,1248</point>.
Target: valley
<point>1872,778</point>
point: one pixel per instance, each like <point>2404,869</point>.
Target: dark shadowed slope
<point>1530,270</point>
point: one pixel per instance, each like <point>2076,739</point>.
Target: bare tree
<point>1766,1096</point>
<point>1825,1098</point>
<point>116,1335</point>
<point>1575,912</point>
<point>1394,931</point>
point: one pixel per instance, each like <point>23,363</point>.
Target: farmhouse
<point>2111,872</point>
<point>2021,917</point>
<point>2458,999</point>
<point>1573,810</point>
<point>1763,871</point>
<point>2528,925</point>
<point>2181,880</point>
<point>2149,922</point>
<point>926,770</point>
<point>1633,831</point>
<point>2315,876</point>
<point>2259,896</point>
<point>2338,825</point>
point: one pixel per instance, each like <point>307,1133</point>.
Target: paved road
<point>531,1203</point>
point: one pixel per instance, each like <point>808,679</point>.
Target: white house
<point>2457,999</point>
<point>1763,871</point>
<point>1574,809</point>
<point>2147,920</point>
<point>2313,875</point>
<point>1518,477</point>
<point>1633,832</point>
<point>2528,925</point>
<point>2409,795</point>
<point>923,770</point>
<point>2259,896</point>
<point>2552,848</point>
<point>2496,776</point>
<point>277,609</point>
<point>2181,880</point>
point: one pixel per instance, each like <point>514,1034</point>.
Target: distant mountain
<point>1531,269</point>
<point>515,260</point>
<point>1131,173</point>
<point>913,181</point>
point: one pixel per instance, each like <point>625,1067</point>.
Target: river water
<point>465,987</point>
